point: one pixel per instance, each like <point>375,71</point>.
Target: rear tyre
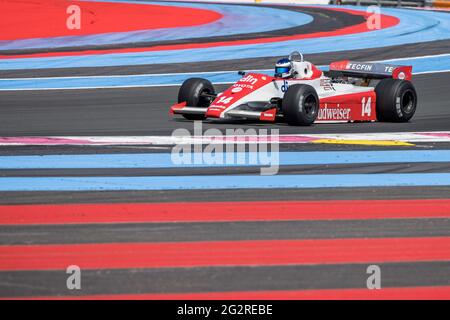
<point>300,105</point>
<point>191,92</point>
<point>396,100</point>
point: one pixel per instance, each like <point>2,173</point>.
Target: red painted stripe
<point>411,293</point>
<point>223,253</point>
<point>386,22</point>
<point>20,21</point>
<point>223,211</point>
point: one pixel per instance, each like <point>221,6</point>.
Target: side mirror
<point>241,73</point>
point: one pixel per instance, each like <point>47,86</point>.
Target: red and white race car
<point>348,92</point>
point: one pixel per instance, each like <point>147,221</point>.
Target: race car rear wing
<point>369,70</point>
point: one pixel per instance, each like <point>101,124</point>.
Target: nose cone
<point>234,95</point>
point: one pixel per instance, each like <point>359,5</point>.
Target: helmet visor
<point>282,69</point>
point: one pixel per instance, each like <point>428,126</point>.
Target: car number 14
<point>366,109</point>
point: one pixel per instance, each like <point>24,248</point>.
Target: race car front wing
<point>267,115</point>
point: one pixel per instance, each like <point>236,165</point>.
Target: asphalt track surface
<point>144,111</point>
<point>207,248</point>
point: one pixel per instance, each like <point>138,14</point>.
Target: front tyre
<point>300,105</point>
<point>191,91</point>
<point>396,100</point>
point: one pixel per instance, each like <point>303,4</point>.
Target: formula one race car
<point>301,94</point>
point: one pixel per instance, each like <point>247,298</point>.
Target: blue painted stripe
<point>114,81</point>
<point>415,26</point>
<point>223,182</point>
<point>163,160</point>
<point>426,64</point>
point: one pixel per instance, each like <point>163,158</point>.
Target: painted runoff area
<point>222,182</point>
<point>119,22</point>
<point>428,26</point>
<point>164,160</point>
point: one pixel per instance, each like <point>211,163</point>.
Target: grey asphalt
<point>223,231</point>
<point>219,279</point>
<point>429,167</point>
<point>144,111</point>
<point>37,197</point>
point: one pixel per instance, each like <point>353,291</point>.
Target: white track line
<point>409,137</point>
